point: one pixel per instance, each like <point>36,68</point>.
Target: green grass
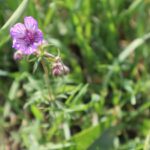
<point>104,103</point>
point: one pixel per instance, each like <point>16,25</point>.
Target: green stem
<point>47,79</point>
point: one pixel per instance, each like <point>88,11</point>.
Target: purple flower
<point>26,37</point>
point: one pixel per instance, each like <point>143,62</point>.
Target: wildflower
<point>18,55</point>
<point>26,37</point>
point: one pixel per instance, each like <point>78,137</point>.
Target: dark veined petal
<point>18,31</point>
<point>38,36</point>
<point>30,23</point>
<point>20,44</point>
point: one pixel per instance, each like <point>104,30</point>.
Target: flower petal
<point>30,50</point>
<point>18,31</point>
<point>19,44</point>
<point>38,36</point>
<point>30,23</point>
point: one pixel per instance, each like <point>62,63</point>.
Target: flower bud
<point>18,55</point>
<point>66,69</point>
<point>59,69</point>
<point>56,72</point>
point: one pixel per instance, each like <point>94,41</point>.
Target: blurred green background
<point>104,103</point>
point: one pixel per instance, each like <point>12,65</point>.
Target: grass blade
<point>135,44</point>
<point>15,16</point>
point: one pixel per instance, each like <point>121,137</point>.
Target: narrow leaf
<point>15,16</point>
<point>131,48</point>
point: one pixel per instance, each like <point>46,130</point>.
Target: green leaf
<point>106,140</point>
<point>134,5</point>
<point>73,94</point>
<point>15,85</point>
<point>82,91</point>
<point>95,138</point>
<point>36,112</point>
<point>132,47</point>
<point>13,90</point>
<point>85,138</point>
<point>36,64</point>
<point>77,94</point>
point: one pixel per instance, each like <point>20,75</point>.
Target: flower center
<point>29,37</point>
